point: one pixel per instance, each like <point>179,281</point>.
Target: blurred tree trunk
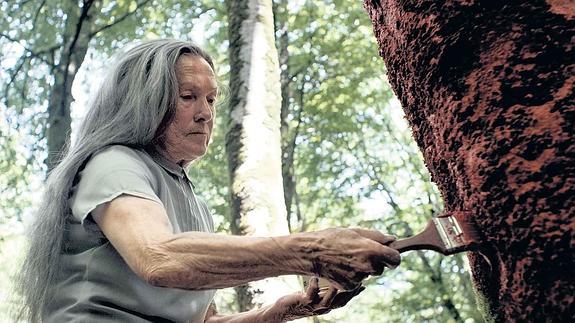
<point>287,138</point>
<point>488,90</point>
<point>289,132</point>
<point>76,37</point>
<point>253,140</point>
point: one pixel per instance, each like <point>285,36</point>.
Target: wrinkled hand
<point>314,301</point>
<point>345,257</point>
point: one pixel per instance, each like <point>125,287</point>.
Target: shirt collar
<point>167,164</point>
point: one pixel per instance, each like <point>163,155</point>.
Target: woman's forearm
<point>197,260</point>
<point>141,233</point>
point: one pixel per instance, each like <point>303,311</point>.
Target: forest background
<point>346,148</point>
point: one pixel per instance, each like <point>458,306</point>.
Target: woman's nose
<point>204,113</point>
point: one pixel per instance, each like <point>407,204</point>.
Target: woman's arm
<point>140,231</point>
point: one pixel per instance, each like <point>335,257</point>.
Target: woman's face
<point>188,135</point>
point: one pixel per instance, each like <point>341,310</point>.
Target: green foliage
<point>337,96</point>
<point>357,165</point>
<point>11,242</point>
<point>33,37</point>
<point>13,182</point>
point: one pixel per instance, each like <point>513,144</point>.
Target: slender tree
<point>488,90</point>
<point>280,12</point>
<point>253,141</point>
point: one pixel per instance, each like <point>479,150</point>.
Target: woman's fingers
<point>313,288</point>
<point>343,297</point>
<point>327,296</point>
<point>375,235</point>
<point>388,257</point>
<point>343,281</point>
<point>347,256</point>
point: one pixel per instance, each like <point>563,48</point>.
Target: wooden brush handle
<point>428,239</point>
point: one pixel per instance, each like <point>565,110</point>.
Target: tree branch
<point>70,50</point>
<point>81,20</point>
<point>23,88</point>
<point>36,15</point>
<point>371,173</point>
<point>23,3</point>
<point>120,19</point>
<point>22,60</point>
<point>34,54</point>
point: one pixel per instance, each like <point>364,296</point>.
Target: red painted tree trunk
<point>488,88</point>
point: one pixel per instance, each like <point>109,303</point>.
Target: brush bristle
<point>468,226</point>
<point>458,231</point>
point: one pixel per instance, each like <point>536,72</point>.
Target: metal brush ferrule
<point>450,232</point>
<point>442,233</point>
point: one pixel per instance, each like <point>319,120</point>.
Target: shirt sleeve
<point>112,172</point>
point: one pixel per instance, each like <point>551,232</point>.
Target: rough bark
<point>253,140</point>
<point>488,89</point>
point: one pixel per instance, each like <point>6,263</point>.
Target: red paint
<point>488,89</point>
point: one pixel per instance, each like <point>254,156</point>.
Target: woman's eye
<point>189,97</point>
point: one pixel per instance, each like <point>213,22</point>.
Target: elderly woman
<point>121,236</point>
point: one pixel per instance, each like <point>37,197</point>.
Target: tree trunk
<point>289,133</point>
<point>253,141</point>
<point>281,30</point>
<point>76,37</point>
<point>488,90</point>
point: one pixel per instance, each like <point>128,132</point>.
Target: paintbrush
<point>448,233</point>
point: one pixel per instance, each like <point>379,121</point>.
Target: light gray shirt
<point>96,284</point>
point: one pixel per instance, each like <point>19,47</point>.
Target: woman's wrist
<point>274,313</point>
<point>295,253</point>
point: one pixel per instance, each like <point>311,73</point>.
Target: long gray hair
<point>134,105</point>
